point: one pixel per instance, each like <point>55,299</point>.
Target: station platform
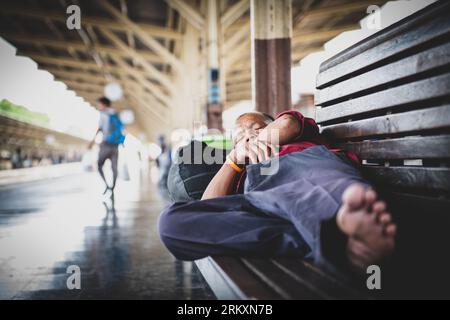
<point>51,224</point>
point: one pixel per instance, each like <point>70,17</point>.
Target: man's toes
<point>379,207</point>
<point>385,218</point>
<point>391,230</point>
<point>370,196</point>
<point>353,196</point>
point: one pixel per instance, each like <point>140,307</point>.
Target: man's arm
<point>223,182</point>
<point>287,127</point>
<point>259,149</point>
<point>91,144</point>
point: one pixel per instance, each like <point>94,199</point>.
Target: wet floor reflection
<point>46,227</point>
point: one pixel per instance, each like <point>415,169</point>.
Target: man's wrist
<point>232,162</point>
<point>232,156</point>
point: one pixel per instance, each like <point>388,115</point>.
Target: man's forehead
<point>248,119</point>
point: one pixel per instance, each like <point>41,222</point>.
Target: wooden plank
<point>413,121</point>
<point>407,203</point>
<point>233,13</point>
<point>428,147</point>
<point>407,34</point>
<point>230,279</point>
<point>383,76</point>
<point>324,285</point>
<point>410,177</point>
<point>279,281</point>
<point>410,93</point>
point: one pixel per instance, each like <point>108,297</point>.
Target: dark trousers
<point>283,214</point>
<point>111,152</point>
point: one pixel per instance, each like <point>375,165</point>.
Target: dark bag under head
<point>188,179</point>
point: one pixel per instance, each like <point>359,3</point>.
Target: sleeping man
<point>316,205</point>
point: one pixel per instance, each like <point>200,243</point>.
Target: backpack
<point>115,135</point>
<point>187,182</point>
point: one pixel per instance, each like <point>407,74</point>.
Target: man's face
<point>100,106</point>
<point>248,126</point>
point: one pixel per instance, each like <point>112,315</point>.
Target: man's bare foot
<point>368,225</point>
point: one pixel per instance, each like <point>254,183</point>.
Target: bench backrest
<point>387,98</point>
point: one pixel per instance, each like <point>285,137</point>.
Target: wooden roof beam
<point>187,12</point>
<point>154,31</point>
<point>145,38</point>
<point>233,13</point>
<point>153,72</point>
<point>342,8</point>
<point>140,78</point>
<point>243,34</point>
<point>151,57</point>
<point>299,54</point>
<point>59,61</point>
<point>322,35</point>
<point>240,50</point>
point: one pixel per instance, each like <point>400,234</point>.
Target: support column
<point>214,105</point>
<point>271,24</point>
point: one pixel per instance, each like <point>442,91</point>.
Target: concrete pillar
<point>271,25</point>
<point>214,105</point>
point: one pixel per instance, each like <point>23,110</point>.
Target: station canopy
<point>156,50</point>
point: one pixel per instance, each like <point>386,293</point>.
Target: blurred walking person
<point>163,162</point>
<point>112,129</point>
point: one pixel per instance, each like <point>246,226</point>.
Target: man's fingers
<point>253,157</point>
<point>261,150</point>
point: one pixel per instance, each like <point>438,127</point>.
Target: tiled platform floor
<point>47,226</point>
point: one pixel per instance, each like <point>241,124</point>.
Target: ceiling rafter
<point>78,45</point>
<point>233,13</point>
<point>143,36</point>
<point>187,12</point>
<point>152,30</point>
<point>153,72</point>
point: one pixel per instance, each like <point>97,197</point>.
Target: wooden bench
<point>386,98</point>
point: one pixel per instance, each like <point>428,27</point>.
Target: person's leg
<point>308,191</point>
<point>341,220</point>
<point>227,226</point>
<point>114,157</point>
<point>102,156</point>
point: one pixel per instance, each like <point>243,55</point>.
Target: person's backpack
<point>115,134</point>
<point>188,181</point>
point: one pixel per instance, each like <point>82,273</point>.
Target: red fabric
<point>309,137</point>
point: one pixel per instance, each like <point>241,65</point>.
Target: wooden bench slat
<point>410,93</point>
<point>420,204</point>
<point>404,35</point>
<point>280,281</point>
<point>427,147</point>
<point>327,286</point>
<point>408,67</point>
<point>228,278</point>
<point>412,121</point>
<point>410,177</point>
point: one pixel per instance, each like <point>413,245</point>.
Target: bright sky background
<point>23,84</point>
